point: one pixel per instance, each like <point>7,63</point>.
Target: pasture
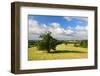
<point>62,51</point>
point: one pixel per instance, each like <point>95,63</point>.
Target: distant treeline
<point>32,43</point>
<point>81,43</point>
<point>77,43</point>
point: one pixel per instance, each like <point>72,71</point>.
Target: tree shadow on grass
<point>67,51</point>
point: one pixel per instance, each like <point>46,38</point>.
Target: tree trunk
<point>48,50</point>
<point>54,48</point>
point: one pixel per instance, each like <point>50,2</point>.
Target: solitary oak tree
<point>48,42</point>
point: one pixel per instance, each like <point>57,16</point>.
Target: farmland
<point>62,51</point>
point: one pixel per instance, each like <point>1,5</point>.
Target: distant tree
<point>77,43</point>
<point>84,43</point>
<point>32,43</point>
<point>65,42</point>
<point>48,42</point>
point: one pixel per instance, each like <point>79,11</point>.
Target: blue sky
<point>66,26</point>
<point>59,19</point>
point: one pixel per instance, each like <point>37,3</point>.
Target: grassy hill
<point>63,51</point>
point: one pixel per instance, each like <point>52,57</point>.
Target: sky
<point>61,27</point>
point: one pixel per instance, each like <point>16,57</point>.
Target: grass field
<point>62,52</point>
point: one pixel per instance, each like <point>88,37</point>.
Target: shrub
<point>84,43</point>
<point>76,45</point>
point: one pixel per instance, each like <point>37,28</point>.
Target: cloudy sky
<point>61,27</point>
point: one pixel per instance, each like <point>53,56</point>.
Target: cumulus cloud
<point>68,18</point>
<point>58,32</point>
<point>78,27</point>
<point>35,29</point>
<point>81,32</point>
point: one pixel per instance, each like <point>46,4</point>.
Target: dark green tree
<point>84,43</point>
<point>48,42</point>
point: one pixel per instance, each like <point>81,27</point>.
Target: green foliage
<point>32,43</point>
<point>76,45</point>
<point>65,43</point>
<point>29,46</point>
<point>81,43</point>
<point>48,42</point>
<point>84,43</point>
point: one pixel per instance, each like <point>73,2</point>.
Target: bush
<point>65,43</point>
<point>29,46</point>
<point>84,43</point>
<point>76,45</point>
<point>32,43</point>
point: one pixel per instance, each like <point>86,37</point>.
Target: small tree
<point>84,43</point>
<point>48,42</point>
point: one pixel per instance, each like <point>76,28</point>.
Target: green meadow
<point>62,51</point>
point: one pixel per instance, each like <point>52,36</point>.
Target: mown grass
<point>63,51</point>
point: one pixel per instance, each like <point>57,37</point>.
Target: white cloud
<point>82,18</point>
<point>68,31</point>
<point>68,18</point>
<point>81,32</point>
<point>78,27</point>
<point>55,25</point>
<point>57,30</point>
<point>36,29</point>
<point>44,25</point>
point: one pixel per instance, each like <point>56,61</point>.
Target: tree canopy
<point>48,42</point>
